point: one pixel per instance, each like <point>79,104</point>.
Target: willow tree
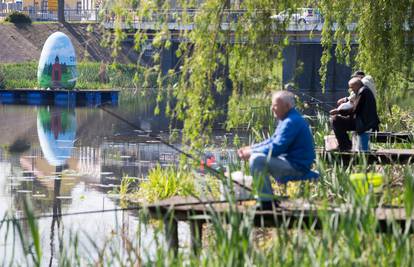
<point>232,49</point>
<point>383,31</point>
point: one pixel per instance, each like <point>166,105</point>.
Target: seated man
<point>348,102</point>
<point>360,118</point>
<point>289,151</point>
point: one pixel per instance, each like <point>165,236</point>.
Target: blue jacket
<point>292,139</point>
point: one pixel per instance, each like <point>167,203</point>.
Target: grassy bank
<point>92,75</point>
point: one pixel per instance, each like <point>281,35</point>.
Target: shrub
<point>2,86</point>
<point>18,17</point>
<point>163,183</point>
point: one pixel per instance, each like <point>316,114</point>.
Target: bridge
<point>303,52</point>
<point>304,49</point>
<point>178,20</point>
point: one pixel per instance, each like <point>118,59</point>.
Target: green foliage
<point>321,128</point>
<point>382,30</point>
<point>251,112</point>
<point>18,17</point>
<point>19,75</point>
<point>216,63</point>
<point>2,86</point>
<point>227,58</point>
<point>346,238</point>
<point>164,183</point>
<point>398,120</point>
<point>24,75</point>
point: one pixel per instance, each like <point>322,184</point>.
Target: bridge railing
<point>74,15</point>
<point>171,16</point>
<point>228,16</point>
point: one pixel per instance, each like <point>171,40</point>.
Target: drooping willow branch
<point>230,50</point>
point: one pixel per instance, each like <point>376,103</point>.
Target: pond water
<point>68,163</point>
<point>67,160</point>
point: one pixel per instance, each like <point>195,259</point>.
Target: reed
<point>350,238</point>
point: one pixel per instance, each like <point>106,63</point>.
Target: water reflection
<point>75,157</point>
<point>56,129</point>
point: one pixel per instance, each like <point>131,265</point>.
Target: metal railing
<point>75,15</point>
<point>172,16</point>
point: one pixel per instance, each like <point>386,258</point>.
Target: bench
<point>374,137</point>
<point>381,156</point>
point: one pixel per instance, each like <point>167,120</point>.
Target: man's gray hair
<point>285,96</point>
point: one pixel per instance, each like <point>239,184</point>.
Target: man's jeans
<point>340,125</point>
<point>260,167</point>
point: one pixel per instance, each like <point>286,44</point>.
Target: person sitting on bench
<point>290,151</point>
<point>348,102</point>
<point>361,117</point>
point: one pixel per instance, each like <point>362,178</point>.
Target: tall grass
<point>92,75</point>
<point>349,238</point>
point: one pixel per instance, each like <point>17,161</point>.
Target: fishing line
<point>217,173</point>
<point>46,216</point>
<point>318,101</point>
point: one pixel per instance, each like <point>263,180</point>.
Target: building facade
<point>52,5</point>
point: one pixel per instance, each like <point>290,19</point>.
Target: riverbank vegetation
<point>231,75</point>
<point>92,75</point>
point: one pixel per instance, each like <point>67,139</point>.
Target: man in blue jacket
<point>290,151</point>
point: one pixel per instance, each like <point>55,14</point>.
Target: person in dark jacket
<point>361,118</point>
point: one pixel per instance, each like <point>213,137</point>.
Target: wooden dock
<point>380,156</point>
<point>390,137</point>
<point>59,97</point>
<point>290,214</point>
<point>330,141</point>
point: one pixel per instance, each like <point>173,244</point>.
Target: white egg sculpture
<point>57,63</point>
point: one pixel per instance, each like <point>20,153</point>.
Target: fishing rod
<point>217,173</point>
<point>318,101</point>
<point>289,87</point>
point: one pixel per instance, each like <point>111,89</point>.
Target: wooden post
<point>171,233</point>
<point>196,232</point>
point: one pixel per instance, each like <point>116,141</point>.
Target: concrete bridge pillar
<point>301,65</point>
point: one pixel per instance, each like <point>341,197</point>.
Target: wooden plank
<point>380,156</point>
<point>375,137</point>
<point>390,137</point>
<point>289,212</point>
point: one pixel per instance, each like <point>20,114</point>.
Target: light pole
<point>61,10</point>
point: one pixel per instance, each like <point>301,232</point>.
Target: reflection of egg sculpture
<point>57,63</point>
<point>56,129</point>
